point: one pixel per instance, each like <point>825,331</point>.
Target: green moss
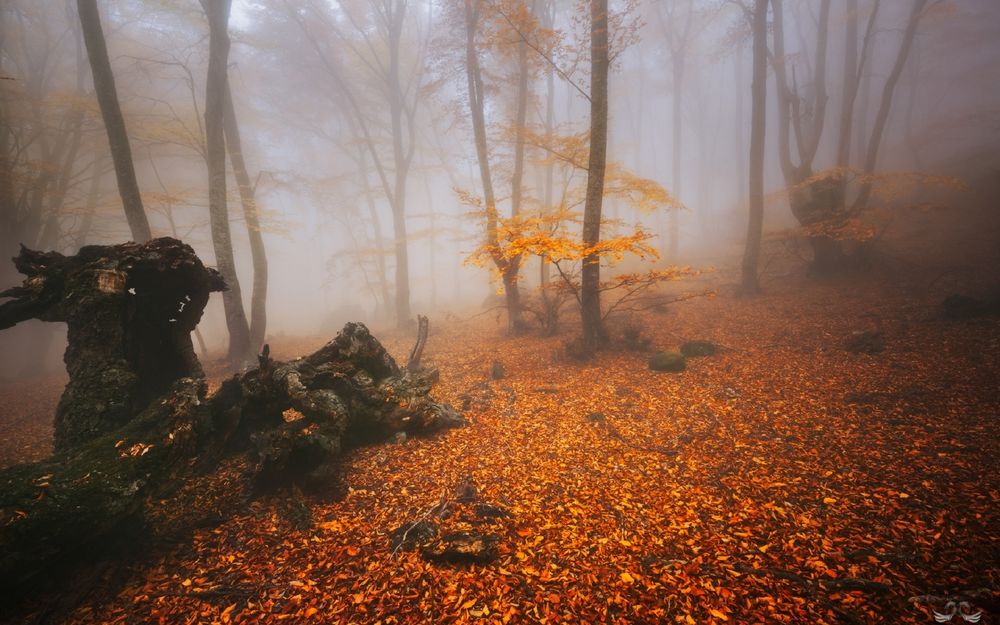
<point>699,348</point>
<point>667,361</point>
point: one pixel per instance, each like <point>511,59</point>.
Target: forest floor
<point>783,480</point>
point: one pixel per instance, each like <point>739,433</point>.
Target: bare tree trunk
<point>594,333</point>
<point>258,299</point>
<point>114,122</point>
<point>758,114</point>
<point>402,165</point>
<point>93,197</point>
<point>882,117</point>
<point>377,229</point>
<point>673,225</point>
<point>515,324</point>
<point>217,12</point>
<point>474,83</point>
<point>741,143</point>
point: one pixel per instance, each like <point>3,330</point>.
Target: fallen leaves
<point>804,485</point>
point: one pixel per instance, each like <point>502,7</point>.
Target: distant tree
<point>513,22</point>
<point>114,122</point>
<point>373,37</point>
<point>258,299</point>
<point>217,11</point>
<point>821,200</point>
<point>758,115</point>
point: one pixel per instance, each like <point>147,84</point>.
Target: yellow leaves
<point>643,194</point>
<point>829,500</point>
<point>310,612</point>
<point>627,577</point>
<point>186,583</point>
<point>717,614</point>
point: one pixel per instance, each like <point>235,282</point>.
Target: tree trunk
<point>882,116</point>
<point>477,106</point>
<point>217,12</point>
<point>758,88</point>
<point>401,158</point>
<point>258,299</point>
<point>114,122</point>
<point>515,324</point>
<point>594,333</point>
<point>130,310</point>
<point>673,219</point>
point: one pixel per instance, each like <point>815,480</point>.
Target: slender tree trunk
<point>258,299</point>
<point>741,134</point>
<point>885,105</point>
<point>474,84</point>
<point>758,114</point>
<point>377,229</point>
<point>594,333</point>
<point>114,122</point>
<point>515,324</point>
<point>402,166</point>
<point>93,197</point>
<point>673,218</point>
<point>215,105</point>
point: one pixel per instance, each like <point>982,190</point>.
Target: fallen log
<point>288,421</point>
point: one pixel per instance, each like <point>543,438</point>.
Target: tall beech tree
<point>258,255</point>
<point>114,122</point>
<point>758,117</point>
<point>216,89</point>
<point>594,332</point>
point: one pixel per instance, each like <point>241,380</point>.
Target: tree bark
<point>402,156</point>
<point>130,310</point>
<point>135,427</point>
<point>114,122</point>
<point>758,114</point>
<point>477,105</point>
<point>258,298</point>
<point>594,333</point>
<point>217,12</point>
<point>885,104</point>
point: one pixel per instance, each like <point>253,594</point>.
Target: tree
<point>520,23</point>
<point>594,332</point>
<point>678,32</point>
<point>258,298</point>
<point>398,89</point>
<point>216,88</point>
<point>758,88</point>
<point>114,122</point>
<point>820,201</point>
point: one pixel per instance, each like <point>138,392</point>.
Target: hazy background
<point>323,208</point>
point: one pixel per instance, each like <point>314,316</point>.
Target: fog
<point>351,111</point>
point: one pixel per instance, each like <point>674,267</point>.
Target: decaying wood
<point>288,420</point>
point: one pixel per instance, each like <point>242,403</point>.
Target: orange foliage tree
<point>552,233</point>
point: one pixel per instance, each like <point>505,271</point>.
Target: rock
<point>497,371</point>
<point>957,307</point>
<point>399,438</point>
<point>463,548</point>
<point>596,417</point>
<point>411,535</point>
<point>490,511</point>
<point>466,492</point>
<point>699,348</point>
<point>866,342</point>
<point>672,362</point>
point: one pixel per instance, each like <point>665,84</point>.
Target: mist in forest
<point>365,130</point>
